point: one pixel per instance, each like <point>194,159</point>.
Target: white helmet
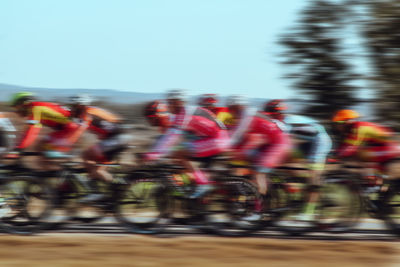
<point>176,94</point>
<point>81,99</point>
<point>236,100</point>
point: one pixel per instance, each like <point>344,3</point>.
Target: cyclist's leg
<point>103,152</point>
<point>268,158</point>
<point>91,157</point>
<point>320,146</point>
<point>388,159</point>
<point>202,148</point>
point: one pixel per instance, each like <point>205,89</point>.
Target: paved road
<point>368,229</point>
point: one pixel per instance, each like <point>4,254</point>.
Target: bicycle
<point>288,194</point>
<point>160,200</point>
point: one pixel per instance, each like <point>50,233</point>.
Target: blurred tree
<point>313,50</point>
<point>381,28</point>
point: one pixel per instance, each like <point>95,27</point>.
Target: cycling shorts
<point>206,147</point>
<point>110,147</point>
<point>315,150</point>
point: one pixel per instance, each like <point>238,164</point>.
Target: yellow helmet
<point>345,115</point>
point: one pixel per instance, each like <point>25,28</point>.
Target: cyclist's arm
<point>244,124</point>
<point>241,135</point>
<point>351,143</point>
<point>164,144</point>
<point>81,128</point>
<point>33,130</point>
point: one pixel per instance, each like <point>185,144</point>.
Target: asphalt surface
<point>368,229</point>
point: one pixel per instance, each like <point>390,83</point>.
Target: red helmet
<point>207,100</point>
<point>155,108</point>
<point>275,108</point>
<point>157,114</point>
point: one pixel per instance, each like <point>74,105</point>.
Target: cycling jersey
<point>364,134</point>
<point>316,142</point>
<point>264,143</point>
<point>102,122</point>
<point>241,124</point>
<point>201,132</point>
<point>223,115</point>
<point>106,126</point>
<point>51,115</point>
<point>370,143</point>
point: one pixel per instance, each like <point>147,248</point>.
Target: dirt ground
<point>91,250</point>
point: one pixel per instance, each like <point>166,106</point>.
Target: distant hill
<point>122,97</point>
<point>108,95</point>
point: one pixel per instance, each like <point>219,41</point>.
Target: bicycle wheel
<point>142,205</point>
<point>340,203</point>
<point>390,208</point>
<point>234,208</point>
<point>27,200</point>
<point>289,200</point>
<point>338,209</point>
<point>66,206</point>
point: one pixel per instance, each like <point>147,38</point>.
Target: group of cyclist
<point>262,139</point>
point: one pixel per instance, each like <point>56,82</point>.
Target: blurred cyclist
<point>262,142</point>
<point>194,133</point>
<point>313,144</point>
<point>107,126</point>
<point>368,142</point>
<point>65,132</point>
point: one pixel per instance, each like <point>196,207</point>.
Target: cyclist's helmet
<point>157,114</point>
<point>154,109</point>
<point>275,108</point>
<point>21,98</point>
<point>80,99</point>
<point>176,94</point>
<point>345,115</point>
<point>207,100</point>
<point>236,100</point>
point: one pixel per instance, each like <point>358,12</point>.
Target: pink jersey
<point>267,138</point>
<point>199,123</point>
<point>265,130</point>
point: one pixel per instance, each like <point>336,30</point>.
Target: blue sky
<point>217,46</point>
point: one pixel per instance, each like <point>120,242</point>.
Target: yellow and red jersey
<point>43,114</point>
<point>223,115</point>
<point>364,134</point>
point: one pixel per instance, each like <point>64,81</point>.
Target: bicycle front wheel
<point>142,205</point>
<point>26,201</point>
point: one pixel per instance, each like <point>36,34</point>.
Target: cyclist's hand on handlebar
<point>14,154</point>
<point>333,160</point>
<point>142,159</point>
